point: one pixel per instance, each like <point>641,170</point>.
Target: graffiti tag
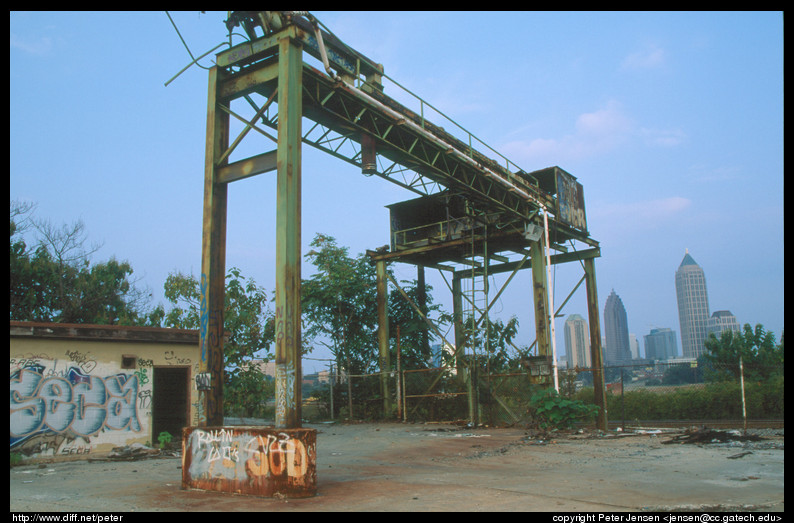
<point>77,402</point>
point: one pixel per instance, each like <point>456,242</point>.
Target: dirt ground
<point>443,467</point>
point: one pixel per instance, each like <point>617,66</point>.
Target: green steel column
<point>288,236</point>
<point>209,381</point>
<point>466,366</point>
<point>596,354</point>
<point>540,295</point>
<point>383,335</point>
<point>421,298</point>
<point>457,315</point>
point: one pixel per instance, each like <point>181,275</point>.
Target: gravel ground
<point>441,467</point>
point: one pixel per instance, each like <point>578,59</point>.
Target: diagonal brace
<point>248,126</point>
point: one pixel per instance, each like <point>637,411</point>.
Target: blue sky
<point>672,122</point>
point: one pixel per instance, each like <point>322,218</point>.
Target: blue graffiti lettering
<point>79,403</point>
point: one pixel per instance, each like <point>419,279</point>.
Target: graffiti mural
<point>70,403</point>
<point>85,389</point>
<point>250,460</point>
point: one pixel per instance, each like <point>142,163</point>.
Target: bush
<point>552,411</point>
<point>719,400</point>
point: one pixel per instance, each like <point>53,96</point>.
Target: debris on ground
<point>705,435</point>
<point>138,451</point>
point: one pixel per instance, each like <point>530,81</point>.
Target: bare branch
<point>66,243</point>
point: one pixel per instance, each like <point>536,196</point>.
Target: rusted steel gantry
<point>354,120</point>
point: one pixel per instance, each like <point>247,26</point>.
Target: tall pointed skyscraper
<point>693,306</point>
<point>616,325</point>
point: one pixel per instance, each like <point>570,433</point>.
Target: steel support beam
<point>288,235</point>
<point>383,335</point>
<point>596,353</point>
<point>261,163</point>
<point>457,315</point>
<point>213,263</point>
<point>540,296</point>
<point>421,296</point>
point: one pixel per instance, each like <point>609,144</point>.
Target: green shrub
<point>164,438</point>
<point>552,411</point>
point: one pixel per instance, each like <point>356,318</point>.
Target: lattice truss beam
<point>406,155</point>
<point>408,150</point>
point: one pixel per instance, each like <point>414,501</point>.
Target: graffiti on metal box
<point>234,454</point>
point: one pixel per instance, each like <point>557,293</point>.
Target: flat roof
<point>89,332</point>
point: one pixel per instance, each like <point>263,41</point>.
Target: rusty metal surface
<point>596,352</point>
<point>259,461</point>
<point>213,262</point>
<point>288,237</point>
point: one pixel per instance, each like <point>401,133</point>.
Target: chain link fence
<point>644,394</point>
<point>688,392</point>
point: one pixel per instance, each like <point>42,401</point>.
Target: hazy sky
<point>672,122</point>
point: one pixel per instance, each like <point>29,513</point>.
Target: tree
<point>492,339</point>
<point>761,356</point>
<point>249,325</point>
<point>413,353</point>
<point>55,281</point>
<point>339,303</point>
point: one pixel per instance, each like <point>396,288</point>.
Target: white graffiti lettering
<point>265,455</point>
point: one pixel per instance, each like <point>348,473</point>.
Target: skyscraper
<point>660,344</point>
<point>693,306</point>
<point>577,342</point>
<point>616,326</point>
<point>722,321</point>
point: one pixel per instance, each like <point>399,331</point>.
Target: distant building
<point>577,342</point>
<point>324,376</point>
<point>721,321</point>
<point>268,368</point>
<point>616,326</point>
<point>693,306</point>
<point>437,358</point>
<point>661,344</point>
<point>634,346</point>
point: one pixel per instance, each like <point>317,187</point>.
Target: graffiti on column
<point>285,385</point>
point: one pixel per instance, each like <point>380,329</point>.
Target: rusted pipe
<point>323,53</point>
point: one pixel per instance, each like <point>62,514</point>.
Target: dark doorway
<point>170,403</point>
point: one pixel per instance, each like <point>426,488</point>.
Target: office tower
<point>577,342</point>
<point>634,346</point>
<point>660,344</point>
<point>693,306</point>
<point>616,326</point>
<point>722,321</point>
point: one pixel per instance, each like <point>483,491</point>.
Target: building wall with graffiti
<point>81,390</point>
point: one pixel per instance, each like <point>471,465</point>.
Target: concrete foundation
<point>259,461</point>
